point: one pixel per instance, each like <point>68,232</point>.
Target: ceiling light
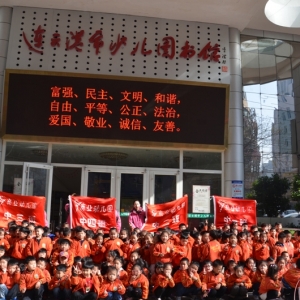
<point>284,13</point>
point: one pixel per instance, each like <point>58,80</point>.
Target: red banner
<point>169,214</point>
<point>18,208</point>
<point>228,210</point>
<point>93,213</point>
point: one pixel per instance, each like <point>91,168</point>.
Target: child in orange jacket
<point>60,284</point>
<point>180,251</point>
<point>261,271</point>
<point>213,284</point>
<point>98,250</point>
<point>238,283</point>
<point>261,249</point>
<point>164,282</point>
<point>38,242</point>
<point>80,245</point>
<point>18,249</point>
<point>270,286</point>
<point>232,250</point>
<point>122,274</point>
<point>9,280</point>
<point>113,243</point>
<point>3,241</point>
<point>138,284</point>
<point>187,280</point>
<point>84,282</point>
<point>63,250</point>
<point>111,287</point>
<point>32,280</point>
<point>162,250</point>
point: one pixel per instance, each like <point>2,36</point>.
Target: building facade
<point>141,108</point>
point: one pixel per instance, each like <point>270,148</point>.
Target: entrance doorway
<point>130,184</point>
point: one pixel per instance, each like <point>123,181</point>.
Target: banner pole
<point>214,209</point>
<point>70,207</point>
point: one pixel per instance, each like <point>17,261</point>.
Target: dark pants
<point>161,292</point>
<point>61,294</point>
<point>13,292</point>
<point>238,291</point>
<point>272,294</point>
<point>81,296</point>
<point>34,294</point>
<point>255,288</point>
<point>214,293</point>
<point>180,290</point>
<point>113,296</point>
<point>135,293</point>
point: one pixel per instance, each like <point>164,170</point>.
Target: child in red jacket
<point>164,282</point>
<point>238,283</point>
<point>213,284</point>
<point>111,287</point>
<point>9,280</point>
<point>60,284</point>
<point>187,280</point>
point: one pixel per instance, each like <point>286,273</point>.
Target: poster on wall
<point>237,189</point>
<point>201,199</point>
<point>18,186</point>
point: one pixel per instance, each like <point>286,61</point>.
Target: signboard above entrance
<point>115,108</point>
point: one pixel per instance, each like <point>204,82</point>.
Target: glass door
<point>100,182</point>
<point>37,181</point>
<point>163,186</point>
<point>131,185</point>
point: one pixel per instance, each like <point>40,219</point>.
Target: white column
<point>5,21</point>
<point>234,158</point>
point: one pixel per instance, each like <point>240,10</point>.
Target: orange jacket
<point>296,248</point>
<point>125,248</point>
<point>47,275</point>
<point>165,249</point>
<point>81,248</point>
<point>272,241</point>
<point>210,280</point>
<point>55,258</point>
<point>63,283</point>
<point>10,280</point>
<point>80,283</point>
<point>246,251</point>
<point>145,253</point>
<point>4,242</point>
<point>261,251</point>
<point>290,248</point>
<point>163,282</point>
<point>248,272</point>
<point>132,248</point>
<point>98,253</point>
<point>178,253</point>
<point>195,252</point>
<point>123,276</point>
<point>108,286</point>
<point>184,277</point>
<point>29,279</point>
<point>19,249</point>
<point>292,277</point>
<point>34,246</point>
<point>268,284</point>
<point>257,277</point>
<point>234,253</point>
<point>114,245</point>
<point>233,279</point>
<point>278,249</point>
<point>141,282</point>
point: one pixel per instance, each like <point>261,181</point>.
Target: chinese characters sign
<point>169,214</point>
<point>201,199</point>
<point>99,43</point>
<point>18,208</point>
<point>228,210</point>
<point>92,213</point>
<point>115,109</point>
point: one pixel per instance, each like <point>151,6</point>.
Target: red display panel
<point>115,109</point>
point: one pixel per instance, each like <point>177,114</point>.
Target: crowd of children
<point>201,264</point>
